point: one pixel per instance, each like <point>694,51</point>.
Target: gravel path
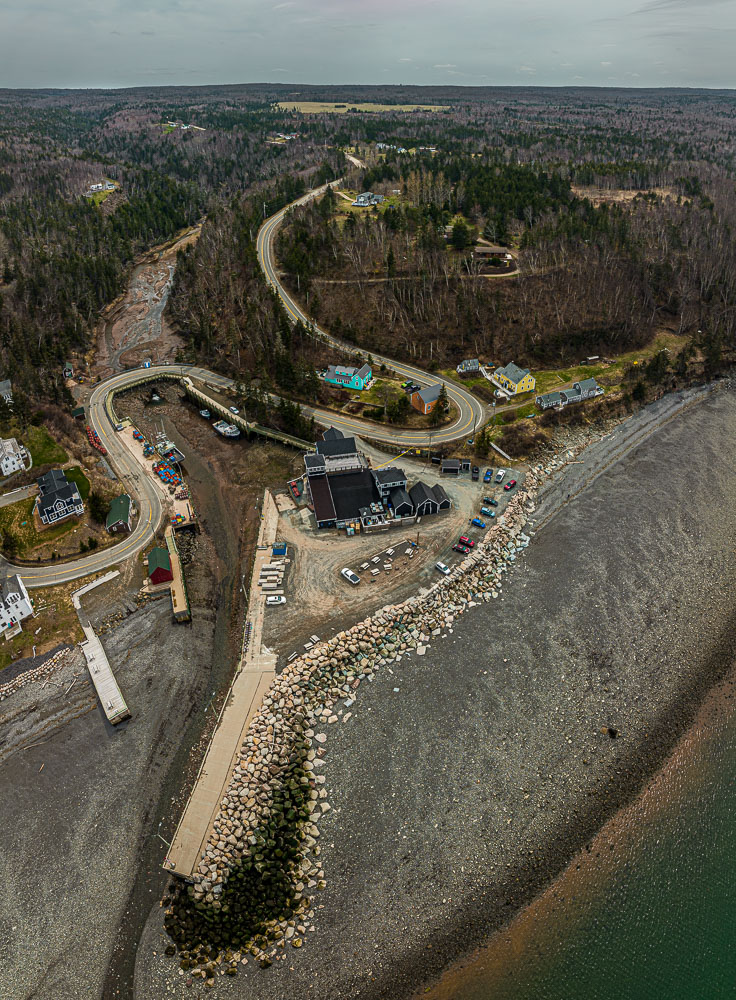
<point>457,796</point>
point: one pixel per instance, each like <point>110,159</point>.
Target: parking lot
<point>320,600</point>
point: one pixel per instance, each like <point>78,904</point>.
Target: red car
<point>464,540</point>
<point>460,548</point>
<point>510,484</point>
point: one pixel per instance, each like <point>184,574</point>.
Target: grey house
<point>585,389</point>
<point>389,479</point>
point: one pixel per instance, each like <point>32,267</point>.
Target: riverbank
<point>456,797</point>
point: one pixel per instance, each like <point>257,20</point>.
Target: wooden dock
<point>179,596</point>
<point>110,695</point>
<point>100,671</point>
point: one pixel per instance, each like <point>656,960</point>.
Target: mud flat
<point>466,779</point>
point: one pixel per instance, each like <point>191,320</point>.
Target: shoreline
<point>585,870</point>
<point>476,917</point>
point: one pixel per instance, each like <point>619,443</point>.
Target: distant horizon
<point>382,86</point>
<point>126,44</point>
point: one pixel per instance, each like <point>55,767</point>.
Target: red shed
<point>159,566</point>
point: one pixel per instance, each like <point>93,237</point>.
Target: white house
<point>12,457</point>
<point>15,605</point>
<point>6,391</point>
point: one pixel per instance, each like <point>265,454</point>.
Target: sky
<point>601,43</point>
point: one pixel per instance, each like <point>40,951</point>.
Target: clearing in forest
<point>328,107</point>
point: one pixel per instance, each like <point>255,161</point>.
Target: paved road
<point>142,488</point>
<point>136,483</point>
<point>21,493</point>
<point>471,411</point>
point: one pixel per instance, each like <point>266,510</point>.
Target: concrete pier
<point>256,670</point>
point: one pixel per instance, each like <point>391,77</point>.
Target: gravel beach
<point>456,797</point>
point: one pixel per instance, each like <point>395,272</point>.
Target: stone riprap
<point>35,674</point>
<point>254,889</point>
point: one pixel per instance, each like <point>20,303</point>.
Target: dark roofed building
<point>337,447</point>
<point>332,434</point>
<point>585,389</point>
<point>58,498</point>
<point>351,491</point>
<point>423,499</point>
<point>401,502</point>
<point>322,502</point>
<point>450,467</point>
<point>315,465</point>
<point>389,479</point>
<point>443,501</point>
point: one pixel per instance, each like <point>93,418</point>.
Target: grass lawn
<point>75,475</point>
<point>44,450</point>
<point>99,196</point>
<point>549,380</point>
<point>18,519</point>
<point>467,383</point>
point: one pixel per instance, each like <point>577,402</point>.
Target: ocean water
<point>649,910</point>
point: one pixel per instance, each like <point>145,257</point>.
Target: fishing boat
<point>167,449</point>
<point>227,430</point>
<point>205,413</point>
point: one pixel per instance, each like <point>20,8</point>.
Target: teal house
<point>349,378</point>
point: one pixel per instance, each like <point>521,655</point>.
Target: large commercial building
<point>345,493</point>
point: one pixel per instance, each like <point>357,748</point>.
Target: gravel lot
<point>322,602</point>
<point>456,797</point>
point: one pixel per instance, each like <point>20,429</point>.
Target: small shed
<point>118,520</point>
<point>450,467</point>
<point>159,566</point>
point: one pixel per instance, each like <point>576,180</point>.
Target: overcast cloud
<point>123,43</point>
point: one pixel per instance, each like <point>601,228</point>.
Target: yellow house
<point>514,379</point>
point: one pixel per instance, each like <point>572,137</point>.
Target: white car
<point>442,568</point>
<point>234,409</point>
<point>275,599</point>
<point>500,475</point>
<point>349,575</point>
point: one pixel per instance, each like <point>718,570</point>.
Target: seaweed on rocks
<point>262,891</point>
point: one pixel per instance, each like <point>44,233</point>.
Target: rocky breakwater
<point>42,672</point>
<point>253,894</point>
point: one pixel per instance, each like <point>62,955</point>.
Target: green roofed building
<point>159,566</point>
<point>118,520</point>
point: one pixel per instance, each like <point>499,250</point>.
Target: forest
<point>619,207</point>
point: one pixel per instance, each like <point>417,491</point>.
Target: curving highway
<point>471,411</point>
<point>471,414</point>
